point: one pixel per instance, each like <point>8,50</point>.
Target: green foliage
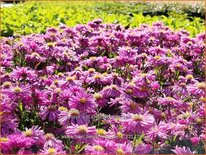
<point>35,17</point>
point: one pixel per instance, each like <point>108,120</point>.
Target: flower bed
<point>101,88</point>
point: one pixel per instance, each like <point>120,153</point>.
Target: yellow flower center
<point>7,84</point>
<point>97,76</point>
<point>120,151</point>
<point>50,44</point>
<point>189,76</point>
<point>201,85</point>
<point>77,69</point>
<point>143,75</point>
<point>82,129</point>
<point>98,148</point>
<point>51,150</point>
<point>137,118</point>
<point>3,139</point>
<point>58,90</point>
<point>91,70</point>
<point>83,100</point>
<point>49,136</point>
<point>157,57</point>
<point>170,98</point>
<point>119,135</point>
<point>74,112</point>
<point>17,90</point>
<point>70,78</point>
<point>113,86</point>
<point>133,105</point>
<point>101,132</point>
<point>92,58</point>
<point>61,108</point>
<point>132,83</point>
<point>97,96</point>
<point>28,133</point>
<point>198,121</point>
<point>186,115</point>
<point>34,54</point>
<point>60,74</point>
<point>203,99</point>
<point>105,74</point>
<point>129,91</point>
<point>56,82</point>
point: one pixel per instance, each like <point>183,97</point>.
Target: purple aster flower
<point>111,91</point>
<point>23,73</point>
<point>52,150</point>
<point>198,89</point>
<point>156,132</point>
<point>25,151</point>
<point>123,148</point>
<point>137,123</point>
<point>195,141</point>
<point>73,116</point>
<point>129,106</point>
<point>83,133</point>
<point>36,134</point>
<point>8,124</point>
<point>52,142</point>
<point>15,142</point>
<point>94,149</point>
<point>100,99</point>
<point>182,150</point>
<point>17,92</point>
<point>51,113</point>
<point>82,101</point>
<point>169,101</point>
<point>101,146</point>
<point>143,149</point>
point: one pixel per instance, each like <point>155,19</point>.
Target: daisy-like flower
<point>169,101</point>
<point>104,146</point>
<point>137,123</point>
<point>23,73</point>
<point>8,124</point>
<point>123,148</point>
<point>73,116</point>
<point>197,89</point>
<point>100,99</point>
<point>17,92</point>
<point>81,132</point>
<point>14,142</point>
<point>52,142</point>
<point>95,149</point>
<point>156,132</point>
<point>143,149</point>
<point>182,150</point>
<point>82,101</point>
<point>51,113</point>
<point>36,134</point>
<point>52,150</point>
<point>111,91</point>
<point>129,106</point>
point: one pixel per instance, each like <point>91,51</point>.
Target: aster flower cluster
<point>103,89</point>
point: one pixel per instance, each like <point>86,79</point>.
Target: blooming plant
<point>103,89</point>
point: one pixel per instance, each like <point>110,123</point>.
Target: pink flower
<point>82,101</point>
<point>137,123</point>
<point>81,132</point>
<point>195,141</point>
<point>23,73</point>
<point>143,149</point>
<point>182,150</point>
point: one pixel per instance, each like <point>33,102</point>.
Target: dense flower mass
<point>103,89</point>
